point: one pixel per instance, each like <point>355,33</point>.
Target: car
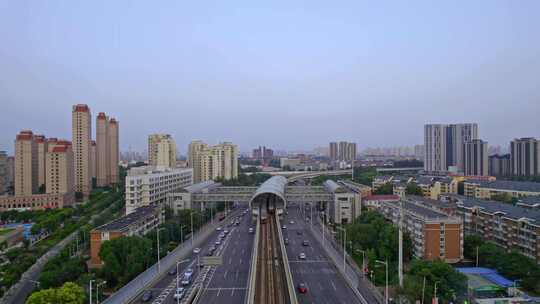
<point>218,229</point>
<point>302,288</point>
<point>302,256</point>
<point>286,241</point>
<point>179,293</point>
<point>291,222</point>
<point>284,227</point>
<point>186,280</point>
<point>305,243</point>
<point>250,230</point>
<point>197,250</point>
<point>221,235</point>
<point>226,232</point>
<point>218,242</point>
<point>189,271</point>
<point>147,296</point>
<point>237,223</point>
<point>172,271</point>
<point>299,232</point>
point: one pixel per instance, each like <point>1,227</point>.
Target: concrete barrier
<point>288,274</point>
<point>250,299</point>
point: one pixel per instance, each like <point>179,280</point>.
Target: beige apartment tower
<point>102,150</point>
<point>210,163</point>
<point>41,143</point>
<point>113,150</point>
<point>59,170</point>
<point>475,158</point>
<point>161,151</point>
<point>26,164</point>
<point>93,161</point>
<point>81,138</point>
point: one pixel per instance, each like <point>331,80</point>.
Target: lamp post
<point>477,256</point>
<point>363,259</point>
<point>97,290</point>
<point>311,216</point>
<point>158,259</point>
<point>385,263</point>
<point>182,233</point>
<point>178,277</point>
<point>435,291</point>
<point>91,290</point>
<point>344,244</point>
<point>192,232</point>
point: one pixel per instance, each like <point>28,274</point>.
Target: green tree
<point>387,188</point>
<point>413,189</point>
<point>69,293</point>
<point>503,197</point>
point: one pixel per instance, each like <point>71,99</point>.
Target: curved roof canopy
<point>275,185</point>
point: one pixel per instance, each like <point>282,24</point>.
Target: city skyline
<point>203,64</point>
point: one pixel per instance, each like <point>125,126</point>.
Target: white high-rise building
<point>443,145</point>
<point>161,151</point>
<point>210,163</point>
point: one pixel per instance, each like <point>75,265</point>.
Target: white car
<point>250,230</point>
<point>197,250</point>
<point>179,293</point>
<point>291,222</point>
<point>189,271</point>
<point>302,256</point>
<point>218,228</point>
<point>218,242</point>
<point>284,227</point>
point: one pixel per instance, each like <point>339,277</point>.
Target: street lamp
<point>385,263</point>
<point>91,290</point>
<point>435,290</point>
<point>192,232</point>
<point>158,260</point>
<point>97,290</point>
<point>178,277</point>
<point>182,233</point>
<point>344,243</point>
<point>363,259</point>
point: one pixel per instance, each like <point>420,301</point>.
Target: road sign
<point>212,261</point>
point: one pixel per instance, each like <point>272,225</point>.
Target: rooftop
<point>382,197</point>
<point>508,185</point>
<point>508,210</point>
<point>199,187</point>
<point>125,221</point>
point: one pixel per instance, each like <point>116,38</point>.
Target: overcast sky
<point>286,74</point>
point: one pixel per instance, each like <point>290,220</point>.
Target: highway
<point>163,289</point>
<point>323,281</point>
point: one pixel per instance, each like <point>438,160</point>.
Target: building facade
<point>475,157</point>
<point>3,172</point>
<point>149,185</point>
<point>26,164</point>
<point>435,235</point>
<point>81,139</point>
<point>41,143</point>
<point>333,151</point>
<point>161,151</point>
<point>500,165</point>
<point>443,144</point>
<point>114,150</point>
<point>138,223</point>
<point>487,189</point>
<point>525,156</point>
<point>212,162</point>
<point>102,150</point>
<point>59,171</point>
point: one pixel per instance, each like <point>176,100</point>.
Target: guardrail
<point>286,266</point>
<point>250,299</point>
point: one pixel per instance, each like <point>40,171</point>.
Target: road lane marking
<point>225,274</point>
<point>333,285</point>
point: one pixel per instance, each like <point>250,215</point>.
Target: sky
<point>291,75</point>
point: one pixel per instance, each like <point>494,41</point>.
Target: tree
<point>387,188</point>
<point>413,189</point>
<point>470,243</point>
<point>124,258</point>
<point>69,293</point>
<point>502,197</point>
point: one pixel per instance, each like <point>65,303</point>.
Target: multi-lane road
<point>323,281</point>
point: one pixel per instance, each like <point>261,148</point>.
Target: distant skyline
<point>290,76</point>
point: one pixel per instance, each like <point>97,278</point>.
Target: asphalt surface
<point>226,283</point>
<point>229,282</point>
<point>324,283</point>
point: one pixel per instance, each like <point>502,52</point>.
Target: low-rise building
<point>379,181</point>
<point>435,235</point>
<point>373,202</point>
<point>149,185</point>
<point>138,223</point>
<point>36,201</point>
<point>11,236</point>
<point>346,205</point>
<point>511,227</point>
<point>482,189</point>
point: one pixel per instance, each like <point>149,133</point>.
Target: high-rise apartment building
<point>525,156</point>
<point>262,153</point>
<point>102,150</point>
<point>333,151</point>
<point>59,170</point>
<point>209,163</point>
<point>342,151</point>
<point>443,145</point>
<point>419,152</point>
<point>500,165</point>
<point>351,152</point>
<point>26,164</point>
<point>41,143</point>
<point>475,157</point>
<point>81,138</point>
<point>161,151</point>
<point>114,152</point>
<point>10,172</point>
<point>3,172</point>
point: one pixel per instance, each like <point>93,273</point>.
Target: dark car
<point>172,271</point>
<point>302,288</point>
<point>286,241</point>
<point>299,232</point>
<point>147,296</point>
<point>305,243</point>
